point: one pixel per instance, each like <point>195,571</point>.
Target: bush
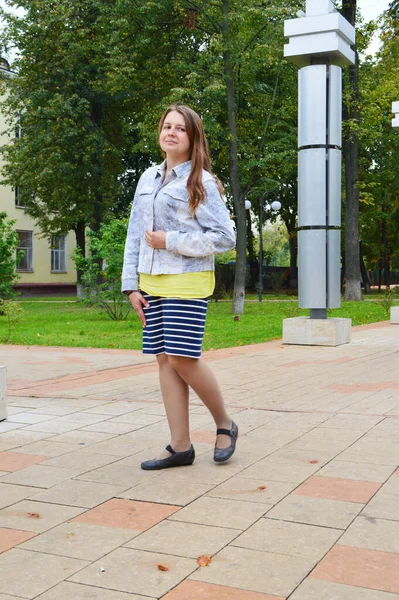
<point>8,257</point>
<point>12,311</point>
<point>102,267</point>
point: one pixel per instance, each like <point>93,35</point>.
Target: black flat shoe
<point>223,454</point>
<point>178,459</point>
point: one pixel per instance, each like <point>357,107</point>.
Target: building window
<point>17,197</point>
<point>58,254</point>
<point>25,262</point>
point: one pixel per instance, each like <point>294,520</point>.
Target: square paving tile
<point>82,460</point>
<point>7,597</point>
<point>74,591</point>
<point>127,514</point>
<point>137,572</point>
<point>183,539</point>
<point>85,494</point>
<point>354,470</point>
<point>52,426</point>
<point>374,534</point>
<point>125,471</point>
<point>373,450</point>
<point>36,572</point>
<point>218,512</point>
<point>391,486</point>
<point>268,470</point>
<point>10,494</point>
<point>312,589</point>
<point>36,516</point>
<point>40,476</point>
<point>254,571</point>
<point>360,567</point>
<point>348,490</point>
<point>383,506</point>
<point>29,417</point>
<point>252,490</point>
<point>198,590</point>
<point>316,511</point>
<point>83,438</point>
<point>79,540</point>
<point>12,537</point>
<point>165,491</point>
<point>14,461</point>
<point>48,448</point>
<point>293,539</point>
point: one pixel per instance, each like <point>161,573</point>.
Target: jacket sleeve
<point>217,233</point>
<point>132,246</point>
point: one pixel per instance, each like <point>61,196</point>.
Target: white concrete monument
<point>3,394</point>
<point>320,43</point>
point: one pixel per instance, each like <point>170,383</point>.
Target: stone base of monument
<point>395,315</point>
<point>3,394</point>
<point>317,332</point>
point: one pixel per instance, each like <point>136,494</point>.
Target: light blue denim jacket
<point>190,242</point>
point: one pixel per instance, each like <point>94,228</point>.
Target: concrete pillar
<point>3,394</point>
<point>319,44</point>
<point>394,315</point>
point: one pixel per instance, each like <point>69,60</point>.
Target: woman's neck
<point>172,162</point>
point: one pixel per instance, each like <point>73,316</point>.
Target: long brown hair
<point>199,154</point>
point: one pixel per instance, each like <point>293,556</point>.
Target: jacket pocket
<point>176,195</point>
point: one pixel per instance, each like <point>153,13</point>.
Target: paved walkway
<point>307,509</point>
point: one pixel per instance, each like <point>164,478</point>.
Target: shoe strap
<point>224,432</point>
<point>170,449</point>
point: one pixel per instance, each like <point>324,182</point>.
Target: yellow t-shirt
<point>183,285</point>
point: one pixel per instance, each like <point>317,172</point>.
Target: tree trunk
<point>239,201</point>
<point>351,159</point>
<point>80,234</point>
<point>293,245</point>
<point>97,213</point>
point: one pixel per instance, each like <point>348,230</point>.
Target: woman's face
<point>173,138</point>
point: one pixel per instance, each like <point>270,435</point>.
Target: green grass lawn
<point>66,323</point>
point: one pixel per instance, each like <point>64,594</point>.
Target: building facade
<point>46,265</point>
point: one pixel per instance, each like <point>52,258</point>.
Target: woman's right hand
<point>137,300</point>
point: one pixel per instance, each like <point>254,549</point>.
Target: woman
<point>178,222</point>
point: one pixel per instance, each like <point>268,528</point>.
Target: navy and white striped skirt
<point>174,326</point>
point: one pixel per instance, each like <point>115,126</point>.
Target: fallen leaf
<point>34,515</point>
<point>162,568</point>
<point>261,487</point>
<point>313,462</point>
<point>203,561</point>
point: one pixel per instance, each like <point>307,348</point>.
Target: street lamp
<point>274,206</point>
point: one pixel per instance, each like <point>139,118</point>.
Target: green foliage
<point>379,176</point>
<point>387,300</point>
<point>76,325</point>
<point>101,269</point>
<point>8,257</point>
<point>12,312</point>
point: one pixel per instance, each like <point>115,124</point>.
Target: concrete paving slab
<point>306,508</point>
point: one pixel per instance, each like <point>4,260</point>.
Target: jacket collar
<point>180,170</point>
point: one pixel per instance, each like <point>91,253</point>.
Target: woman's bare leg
<point>175,398</point>
<point>196,373</point>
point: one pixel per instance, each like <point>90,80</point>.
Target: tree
<point>8,257</point>
<point>78,80</point>
<point>229,68</point>
<point>350,146</point>
<point>379,189</point>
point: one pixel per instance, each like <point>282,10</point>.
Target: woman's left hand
<point>155,239</point>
